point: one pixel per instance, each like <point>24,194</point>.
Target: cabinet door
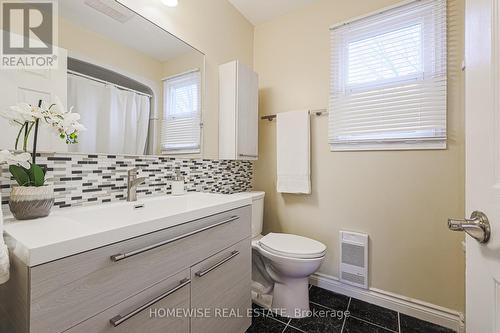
<point>227,110</point>
<point>247,114</point>
<point>161,308</point>
<point>221,284</point>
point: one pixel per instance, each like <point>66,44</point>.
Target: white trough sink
<point>73,230</point>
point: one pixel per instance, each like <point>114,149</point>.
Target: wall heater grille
<point>354,259</point>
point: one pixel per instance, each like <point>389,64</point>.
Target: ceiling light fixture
<point>170,3</point>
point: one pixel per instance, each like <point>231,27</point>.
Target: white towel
<point>4,253</point>
<point>293,148</point>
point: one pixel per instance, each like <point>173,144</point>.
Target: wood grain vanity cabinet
<point>128,286</point>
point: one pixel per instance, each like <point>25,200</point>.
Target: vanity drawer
<point>146,312</point>
<point>71,290</point>
<point>222,283</point>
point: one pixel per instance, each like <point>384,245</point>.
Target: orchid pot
<point>31,202</point>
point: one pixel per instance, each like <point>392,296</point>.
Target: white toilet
<point>282,264</point>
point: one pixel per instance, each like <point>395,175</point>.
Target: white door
<point>483,163</point>
<point>29,86</point>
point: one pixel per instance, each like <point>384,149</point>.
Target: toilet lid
<point>292,246</point>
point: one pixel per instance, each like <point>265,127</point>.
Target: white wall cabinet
<point>238,112</point>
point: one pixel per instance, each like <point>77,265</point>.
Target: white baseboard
<point>422,310</point>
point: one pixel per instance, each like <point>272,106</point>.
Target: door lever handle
<point>478,226</point>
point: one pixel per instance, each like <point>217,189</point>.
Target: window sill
<point>181,152</point>
<point>381,146</point>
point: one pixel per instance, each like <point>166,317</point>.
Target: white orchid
<point>20,159</point>
<point>65,123</point>
<point>70,122</point>
<point>21,113</point>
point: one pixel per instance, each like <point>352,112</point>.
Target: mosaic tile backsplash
<point>89,179</point>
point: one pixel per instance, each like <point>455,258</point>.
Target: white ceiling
<point>259,11</point>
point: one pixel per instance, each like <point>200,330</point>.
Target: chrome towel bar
<point>317,112</point>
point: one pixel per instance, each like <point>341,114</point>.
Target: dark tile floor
<point>334,313</point>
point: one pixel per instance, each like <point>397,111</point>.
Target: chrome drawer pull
<point>121,256</point>
<point>247,155</point>
<point>119,319</point>
<point>223,261</point>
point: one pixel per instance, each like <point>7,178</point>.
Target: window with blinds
<point>388,80</point>
<point>181,127</point>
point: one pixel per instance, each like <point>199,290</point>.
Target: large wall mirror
<point>138,89</point>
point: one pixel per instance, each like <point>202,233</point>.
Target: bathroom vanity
<point>165,264</point>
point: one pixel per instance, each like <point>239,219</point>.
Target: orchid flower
<point>63,121</point>
<point>20,159</point>
<point>21,113</point>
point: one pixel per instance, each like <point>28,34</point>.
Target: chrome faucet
<point>132,183</point>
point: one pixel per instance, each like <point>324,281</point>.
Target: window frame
<point>428,70</point>
<point>165,117</point>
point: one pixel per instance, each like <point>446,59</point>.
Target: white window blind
<point>181,128</point>
<point>388,79</point>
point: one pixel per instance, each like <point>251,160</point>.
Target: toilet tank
<point>257,210</point>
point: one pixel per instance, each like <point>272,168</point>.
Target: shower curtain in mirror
<point>116,120</point>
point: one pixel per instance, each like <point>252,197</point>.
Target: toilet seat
<point>292,246</point>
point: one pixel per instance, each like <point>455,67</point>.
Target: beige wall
<point>400,198</point>
<point>103,51</point>
<point>186,62</point>
<point>217,29</point>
